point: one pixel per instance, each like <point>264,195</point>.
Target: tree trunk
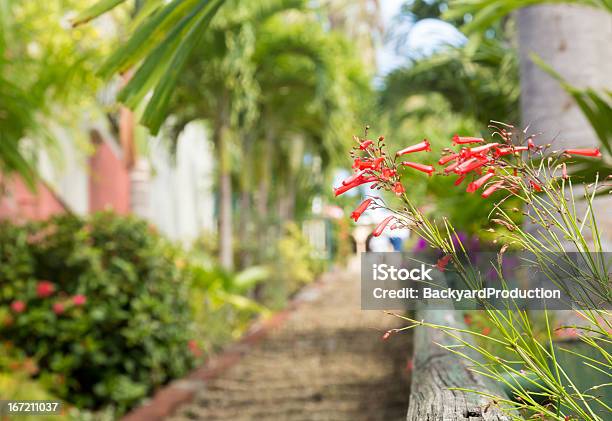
<point>575,41</point>
<point>225,232</point>
<point>263,195</point>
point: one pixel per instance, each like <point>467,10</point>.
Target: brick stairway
<point>326,362</point>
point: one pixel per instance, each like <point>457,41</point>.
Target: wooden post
<point>437,370</point>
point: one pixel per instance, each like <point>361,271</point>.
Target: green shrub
<point>103,306</point>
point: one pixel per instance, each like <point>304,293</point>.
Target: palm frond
<point>485,13</point>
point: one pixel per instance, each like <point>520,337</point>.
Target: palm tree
<point>262,77</point>
<point>481,83</point>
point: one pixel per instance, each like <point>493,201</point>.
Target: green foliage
<point>164,37</point>
<point>220,305</point>
<point>43,65</point>
<point>486,13</point>
<point>132,333</point>
<point>294,266</point>
<point>478,81</point>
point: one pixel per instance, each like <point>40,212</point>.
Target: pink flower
<point>429,169</point>
<point>422,146</point>
<point>381,227</point>
<point>564,171</point>
<point>18,306</point>
<point>58,308</point>
<point>44,289</point>
<point>79,300</point>
<point>360,209</point>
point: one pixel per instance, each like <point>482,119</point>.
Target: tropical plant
<point>163,36</point>
<point>513,166</point>
<point>267,88</point>
<point>98,304</point>
<point>35,52</point>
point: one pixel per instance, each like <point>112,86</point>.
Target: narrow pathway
<point>327,362</point>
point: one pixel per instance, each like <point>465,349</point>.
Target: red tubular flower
<point>448,158</point>
<point>344,188</point>
<point>381,227</point>
<point>535,186</point>
<point>443,262</point>
<point>460,179</point>
<point>364,145</point>
<point>360,209</point>
<point>353,177</point>
<point>594,153</point>
<point>44,289</point>
<point>475,185</point>
<point>398,188</point>
<point>387,173</point>
<point>451,167</point>
<point>358,164</point>
<point>530,144</point>
<point>491,189</point>
<point>429,169</point>
<point>482,149</point>
<point>422,146</point>
<point>458,140</point>
<point>471,164</point>
<point>503,151</point>
<point>520,148</point>
<point>377,163</point>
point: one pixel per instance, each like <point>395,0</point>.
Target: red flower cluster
<point>475,157</point>
<point>380,170</point>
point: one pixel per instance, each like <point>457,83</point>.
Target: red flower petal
<point>381,227</point>
<point>429,169</point>
<point>475,185</point>
<point>594,153</point>
<point>491,189</point>
<point>448,158</point>
<point>422,146</point>
<point>360,209</point>
<point>458,140</point>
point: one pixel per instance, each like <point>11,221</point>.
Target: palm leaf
<point>486,13</point>
<point>96,10</point>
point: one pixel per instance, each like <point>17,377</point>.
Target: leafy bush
<point>98,303</point>
<point>293,267</point>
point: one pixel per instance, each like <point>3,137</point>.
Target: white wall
<point>181,198</point>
